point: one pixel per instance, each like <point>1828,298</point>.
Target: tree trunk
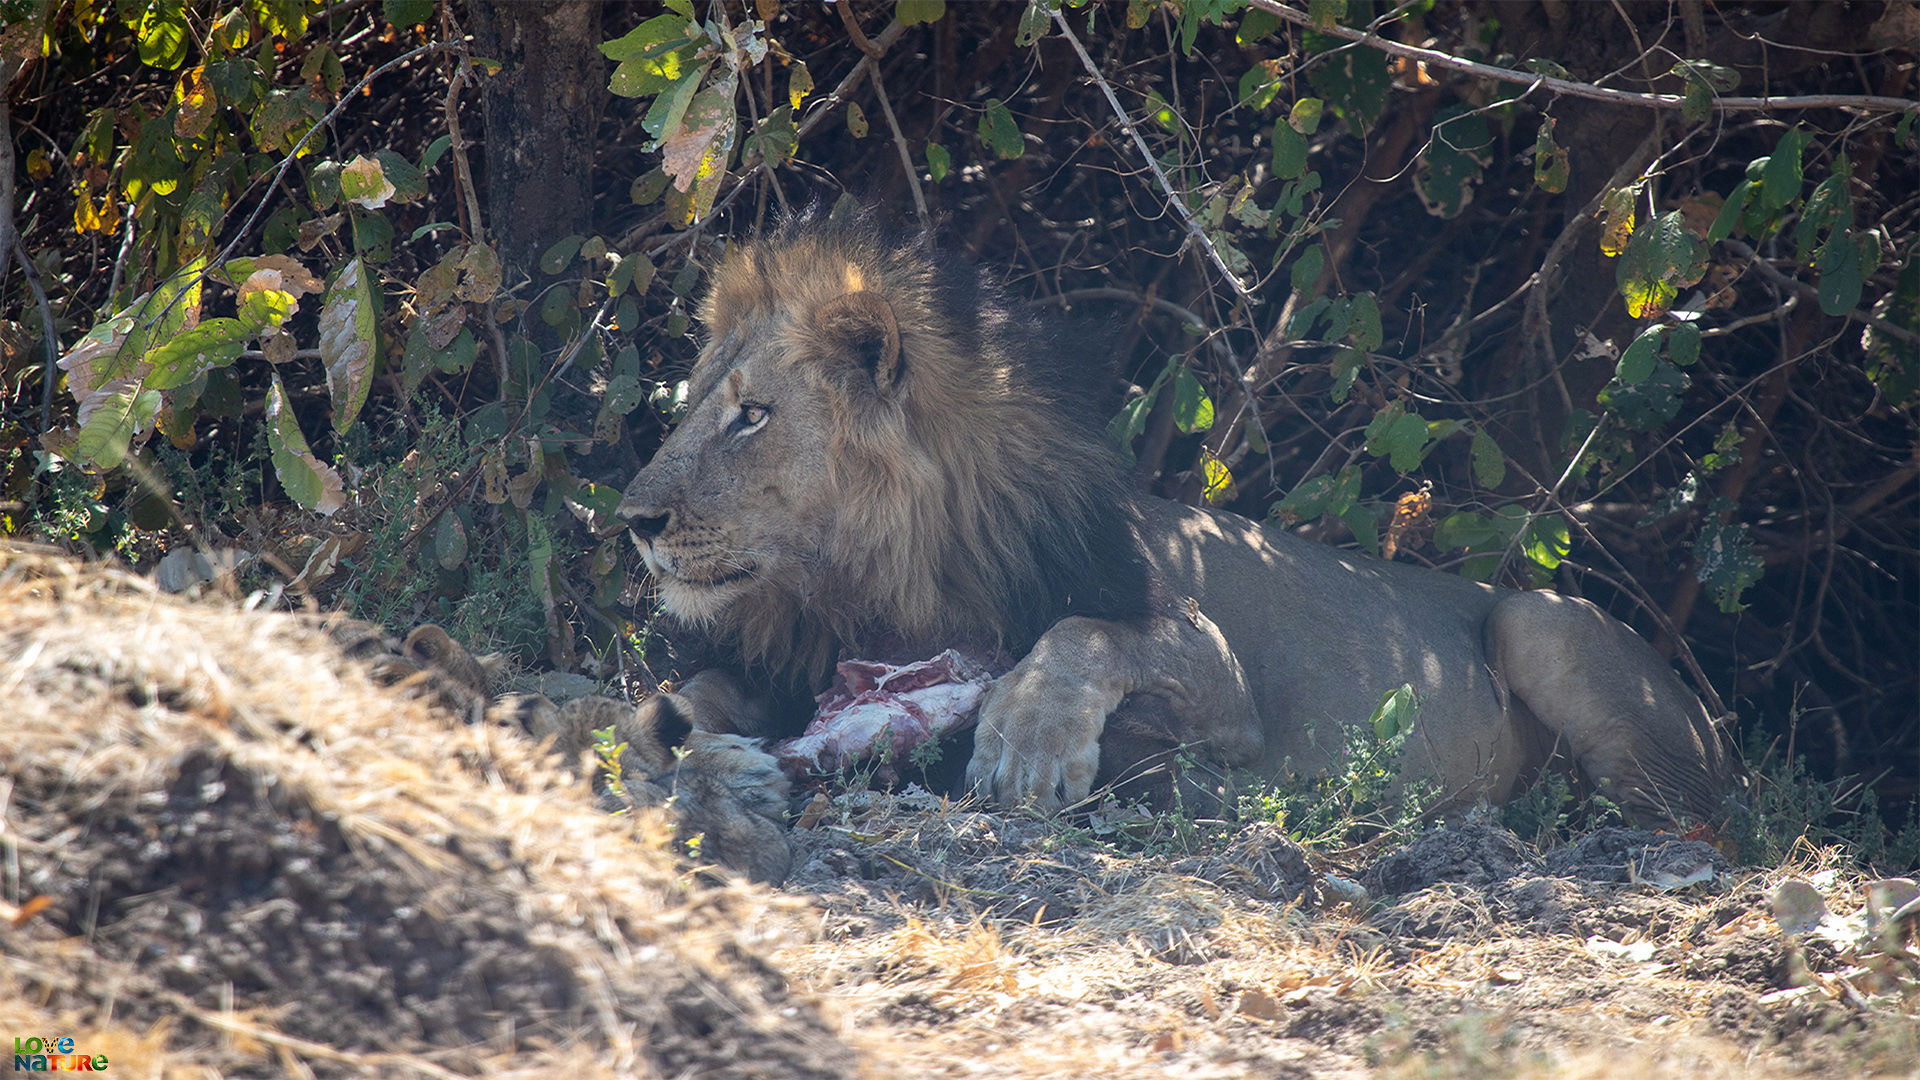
<point>542,115</point>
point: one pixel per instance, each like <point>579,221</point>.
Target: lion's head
<point>878,447</point>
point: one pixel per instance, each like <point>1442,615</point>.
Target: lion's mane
<point>984,503</point>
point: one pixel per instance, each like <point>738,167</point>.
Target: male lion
<point>882,457</point>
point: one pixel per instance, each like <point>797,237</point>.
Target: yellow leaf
<point>196,104</point>
<point>1220,487</point>
<point>38,167</point>
<point>1618,211</point>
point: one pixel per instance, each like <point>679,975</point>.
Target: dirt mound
<point>226,846</point>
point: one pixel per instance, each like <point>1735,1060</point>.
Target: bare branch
<point>1179,204</point>
<point>1435,58</point>
<point>1794,284</point>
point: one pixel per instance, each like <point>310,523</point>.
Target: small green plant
<point>607,751</point>
<point>1788,805</point>
<point>1361,797</point>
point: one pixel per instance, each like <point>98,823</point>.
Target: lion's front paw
<point>1038,742</point>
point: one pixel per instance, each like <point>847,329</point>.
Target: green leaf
<point>1662,257</point>
<point>1306,269</point>
<point>644,41</point>
<point>349,342</point>
<point>1406,442</point>
<point>1697,103</point>
<point>1550,161</point>
<point>1259,85</point>
<point>539,553</point>
<point>450,541</point>
<point>1489,464</point>
<point>1289,150</point>
<point>915,12</point>
<point>1353,82</point>
<point>1841,273</point>
<point>162,34</point>
<point>856,120</point>
<point>557,257</point>
<point>1034,24</point>
<point>998,132</point>
<point>1192,408</point>
<point>111,417</point>
<point>1396,713</point>
<point>1636,363</point>
<point>664,115</point>
<point>1650,403</point>
<point>1725,561</point>
<point>938,161</point>
<point>307,480</point>
<point>1365,528</point>
<point>1545,541</point>
<point>624,274</point>
<point>1721,80</point>
<point>1381,424</point>
<point>1326,13</point>
<point>776,138</point>
<point>1780,179</point>
<point>1550,68</point>
<point>214,343</point>
<point>1363,322</point>
<point>1255,24</point>
<point>1305,115</point>
<point>647,187</point>
<point>1346,367</point>
<point>1729,215</point>
<point>1683,344</point>
<point>407,12</point>
<point>409,183</point>
<point>1453,161</point>
<point>1302,322</point>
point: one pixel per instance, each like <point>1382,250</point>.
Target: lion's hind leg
<point>1620,711</point>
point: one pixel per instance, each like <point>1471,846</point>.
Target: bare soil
<point>225,852</point>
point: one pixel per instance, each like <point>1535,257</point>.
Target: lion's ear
<point>862,324</point>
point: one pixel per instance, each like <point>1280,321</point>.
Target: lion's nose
<point>646,521</point>
<point>646,526</point>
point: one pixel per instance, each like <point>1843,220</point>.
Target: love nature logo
<point>35,1054</point>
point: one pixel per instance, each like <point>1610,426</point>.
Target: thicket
<point>384,301</point>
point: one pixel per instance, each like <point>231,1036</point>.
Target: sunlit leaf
<point>213,343</point>
<point>1663,257</point>
<point>307,480</point>
<point>109,418</point>
<point>1192,408</point>
<point>915,12</point>
<point>1550,161</point>
<point>349,342</point>
<point>998,131</point>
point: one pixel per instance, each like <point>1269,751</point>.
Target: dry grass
<point>168,770</point>
<point>113,692</point>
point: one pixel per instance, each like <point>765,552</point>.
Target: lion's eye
<point>753,415</point>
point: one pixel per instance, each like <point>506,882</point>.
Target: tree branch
<point>1179,204</point>
<point>1787,281</point>
<point>1434,58</point>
